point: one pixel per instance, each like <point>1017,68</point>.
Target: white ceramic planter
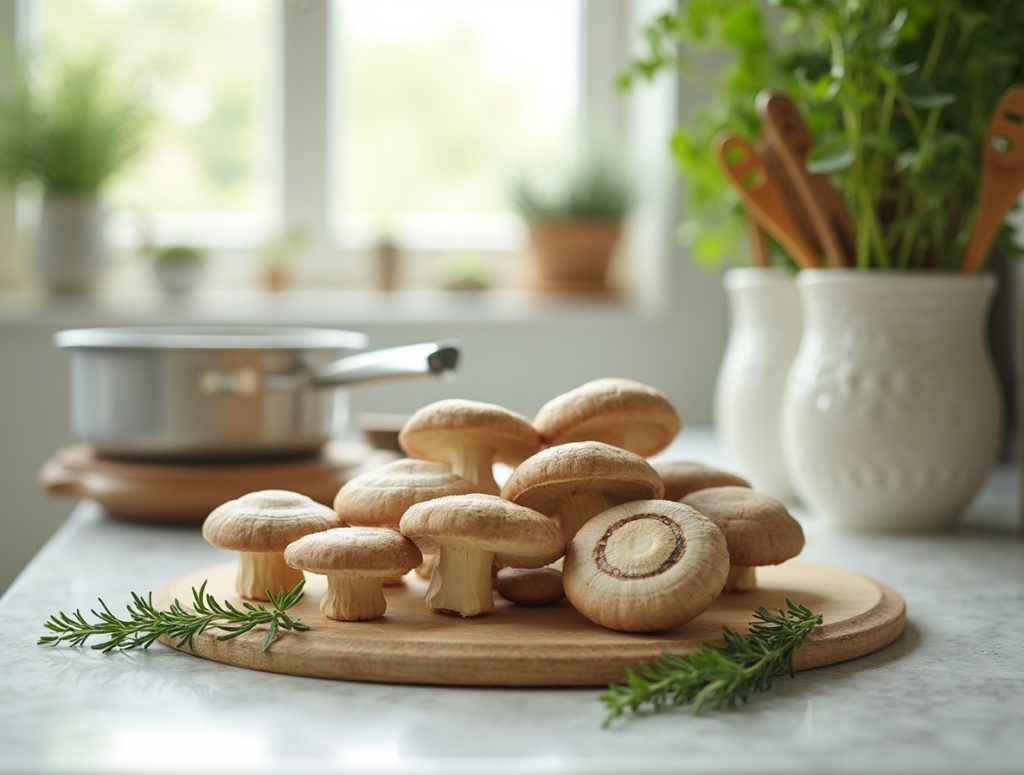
<point>764,335</point>
<point>70,249</point>
<point>179,277</point>
<point>891,413</point>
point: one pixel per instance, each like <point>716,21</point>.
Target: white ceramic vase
<point>70,250</point>
<point>764,335</point>
<point>891,413</point>
<point>179,277</point>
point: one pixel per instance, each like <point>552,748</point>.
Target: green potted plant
<point>179,268</point>
<point>890,414</point>
<point>68,131</point>
<point>574,211</point>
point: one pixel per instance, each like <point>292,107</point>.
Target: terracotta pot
<point>574,256</point>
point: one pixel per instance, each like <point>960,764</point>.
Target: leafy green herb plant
<point>898,93</point>
<point>719,676</point>
<point>146,623</point>
<point>70,124</point>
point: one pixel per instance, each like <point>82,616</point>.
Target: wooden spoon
<point>759,191</point>
<point>1002,174</point>
<point>791,141</point>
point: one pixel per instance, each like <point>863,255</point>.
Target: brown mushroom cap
<point>685,476</point>
<point>757,527</point>
<point>518,536</point>
<point>266,521</point>
<point>380,497</point>
<point>434,431</point>
<point>645,566</point>
<point>542,481</point>
<point>622,412</point>
<point>367,552</point>
<point>530,586</point>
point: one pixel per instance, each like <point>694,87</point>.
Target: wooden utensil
<point>1002,174</point>
<point>770,154</point>
<point>759,191</point>
<point>789,138</point>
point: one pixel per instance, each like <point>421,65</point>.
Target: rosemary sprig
<point>146,623</point>
<point>718,675</point>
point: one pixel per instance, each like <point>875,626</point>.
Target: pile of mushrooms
<point>645,548</point>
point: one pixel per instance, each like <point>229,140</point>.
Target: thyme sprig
<point>146,623</point>
<point>717,675</point>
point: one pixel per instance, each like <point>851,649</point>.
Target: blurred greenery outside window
<point>434,103</point>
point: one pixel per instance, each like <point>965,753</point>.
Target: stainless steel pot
<point>226,393</point>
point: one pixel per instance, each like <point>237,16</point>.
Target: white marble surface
<point>947,697</point>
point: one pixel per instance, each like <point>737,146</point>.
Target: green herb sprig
<point>146,623</point>
<point>717,675</point>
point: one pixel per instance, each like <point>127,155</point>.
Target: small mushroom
<point>355,560</point>
<point>620,412</point>
<point>470,534</point>
<point>380,497</point>
<point>579,480</point>
<point>259,526</point>
<point>470,437</point>
<point>530,586</point>
<point>757,527</point>
<point>685,476</point>
<point>645,565</point>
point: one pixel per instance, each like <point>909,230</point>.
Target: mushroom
<point>470,533</point>
<point>355,561</point>
<point>757,528</point>
<point>621,412</point>
<point>685,476</point>
<point>578,480</point>
<point>470,437</point>
<point>530,586</point>
<point>380,497</point>
<point>259,526</point>
<point>644,566</point>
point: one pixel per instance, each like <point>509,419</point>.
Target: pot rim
<point>211,338</point>
<point>758,276</point>
<point>851,276</point>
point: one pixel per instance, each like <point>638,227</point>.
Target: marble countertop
<point>946,697</point>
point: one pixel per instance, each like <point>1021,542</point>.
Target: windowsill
<point>316,307</point>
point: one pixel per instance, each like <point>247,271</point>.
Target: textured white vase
<point>892,411</point>
<point>70,250</point>
<point>764,335</point>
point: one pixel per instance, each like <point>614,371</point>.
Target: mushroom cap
<point>266,521</point>
<point>518,536</point>
<point>366,552</point>
<point>433,431</point>
<point>611,409</point>
<point>757,527</point>
<point>645,566</point>
<point>685,476</point>
<point>530,586</point>
<point>380,497</point>
<point>541,481</point>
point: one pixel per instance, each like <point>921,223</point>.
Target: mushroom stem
<point>476,463</point>
<point>260,571</point>
<point>461,582</point>
<point>741,579</point>
<point>353,599</point>
<point>576,511</point>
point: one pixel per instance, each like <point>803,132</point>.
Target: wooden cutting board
<point>543,646</point>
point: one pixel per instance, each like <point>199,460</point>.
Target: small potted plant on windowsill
<point>574,212</point>
<point>890,414</point>
<point>179,268</point>
<point>67,132</point>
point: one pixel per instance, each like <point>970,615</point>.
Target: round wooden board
<point>544,646</point>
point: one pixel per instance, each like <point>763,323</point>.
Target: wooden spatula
<point>759,191</point>
<point>1002,174</point>
<point>791,141</point>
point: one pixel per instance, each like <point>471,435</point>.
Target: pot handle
<point>394,364</point>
